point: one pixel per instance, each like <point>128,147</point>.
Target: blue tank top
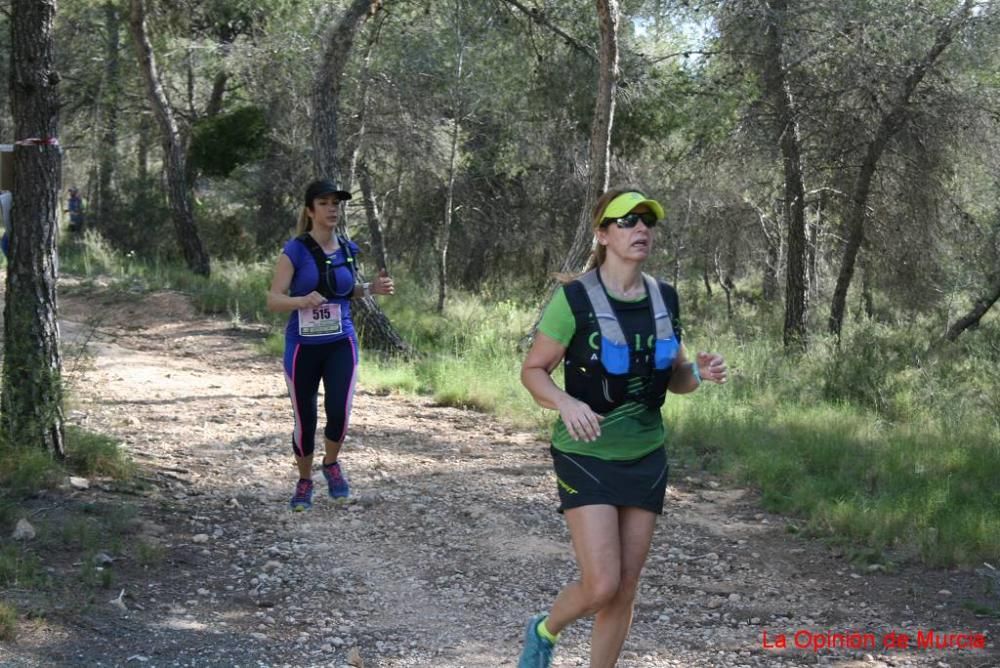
<point>306,278</point>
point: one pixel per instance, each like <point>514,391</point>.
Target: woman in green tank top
<point>607,443</point>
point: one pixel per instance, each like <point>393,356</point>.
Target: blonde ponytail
<point>305,223</point>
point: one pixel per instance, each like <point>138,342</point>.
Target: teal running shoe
<point>303,497</point>
<point>537,652</point>
<point>336,481</point>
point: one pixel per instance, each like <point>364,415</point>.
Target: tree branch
<point>538,16</point>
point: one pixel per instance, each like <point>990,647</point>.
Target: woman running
<point>617,332</point>
<point>315,279</point>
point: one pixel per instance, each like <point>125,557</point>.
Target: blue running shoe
<point>537,652</point>
<point>336,481</point>
<point>303,497</point>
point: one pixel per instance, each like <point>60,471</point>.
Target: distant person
<point>315,280</point>
<point>6,201</point>
<point>617,332</point>
<point>74,207</point>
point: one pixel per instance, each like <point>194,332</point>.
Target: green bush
<point>8,622</point>
<point>221,143</point>
<point>18,568</point>
<point>23,470</point>
<point>91,454</point>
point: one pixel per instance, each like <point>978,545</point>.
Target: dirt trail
<point>449,543</point>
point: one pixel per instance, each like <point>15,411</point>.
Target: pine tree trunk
<point>178,189</point>
<point>978,310</point>
<point>357,137</point>
<point>372,215</point>
<point>376,330</point>
<point>855,224</point>
<point>600,134</point>
<point>449,204</point>
<point>889,125</point>
<point>327,86</point>
<point>599,156</point>
<point>142,150</point>
<point>31,411</point>
<point>104,204</point>
<point>813,250</point>
<point>215,100</point>
<point>772,257</point>
<point>779,95</point>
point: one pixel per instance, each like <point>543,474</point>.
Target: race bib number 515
<point>320,320</point>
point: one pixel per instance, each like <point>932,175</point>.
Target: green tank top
<point>632,430</point>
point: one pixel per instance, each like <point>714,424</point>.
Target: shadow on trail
<point>180,400</point>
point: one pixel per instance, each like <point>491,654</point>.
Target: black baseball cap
<point>322,187</point>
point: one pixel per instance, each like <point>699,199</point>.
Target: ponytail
<point>305,223</point>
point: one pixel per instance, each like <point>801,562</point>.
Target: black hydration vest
<point>325,268</point>
<point>601,379</point>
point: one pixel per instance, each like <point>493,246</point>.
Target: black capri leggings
<point>336,364</point>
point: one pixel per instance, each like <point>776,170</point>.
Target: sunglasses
<point>630,220</point>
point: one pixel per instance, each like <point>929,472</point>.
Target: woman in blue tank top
<point>314,281</point>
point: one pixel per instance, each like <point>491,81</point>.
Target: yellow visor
<point>625,202</point>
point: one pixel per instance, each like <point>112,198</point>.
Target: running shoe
<point>303,497</point>
<point>336,481</point>
<point>537,652</point>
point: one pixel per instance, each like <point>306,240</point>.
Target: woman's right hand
<point>312,300</point>
<point>582,423</point>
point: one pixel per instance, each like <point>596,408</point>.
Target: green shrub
<point>90,454</point>
<point>221,143</point>
<point>8,621</point>
<point>17,568</point>
<point>24,471</point>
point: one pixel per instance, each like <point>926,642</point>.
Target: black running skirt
<point>587,481</point>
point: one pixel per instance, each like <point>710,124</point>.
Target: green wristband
<point>696,372</point>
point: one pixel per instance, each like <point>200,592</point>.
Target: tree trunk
<point>813,249</point>
<point>104,204</point>
<point>779,95</point>
<point>678,242</point>
<point>444,234</point>
<point>772,257</point>
<point>855,225</point>
<point>377,331</point>
<point>178,189</point>
<point>142,149</point>
<point>867,296</point>
<point>888,126</point>
<point>357,137</point>
<point>449,201</point>
<point>372,215</point>
<point>600,134</point>
<point>599,156</point>
<point>31,411</point>
<point>327,87</point>
<point>727,286</point>
<point>215,100</point>
<point>978,310</point>
<point>391,203</point>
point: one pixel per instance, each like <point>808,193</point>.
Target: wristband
<point>696,372</point>
<point>366,289</point>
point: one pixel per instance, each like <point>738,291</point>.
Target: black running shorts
<point>587,481</point>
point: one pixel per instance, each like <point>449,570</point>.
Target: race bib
<point>320,320</point>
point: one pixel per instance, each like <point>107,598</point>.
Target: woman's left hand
<point>383,285</point>
<point>712,367</point>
